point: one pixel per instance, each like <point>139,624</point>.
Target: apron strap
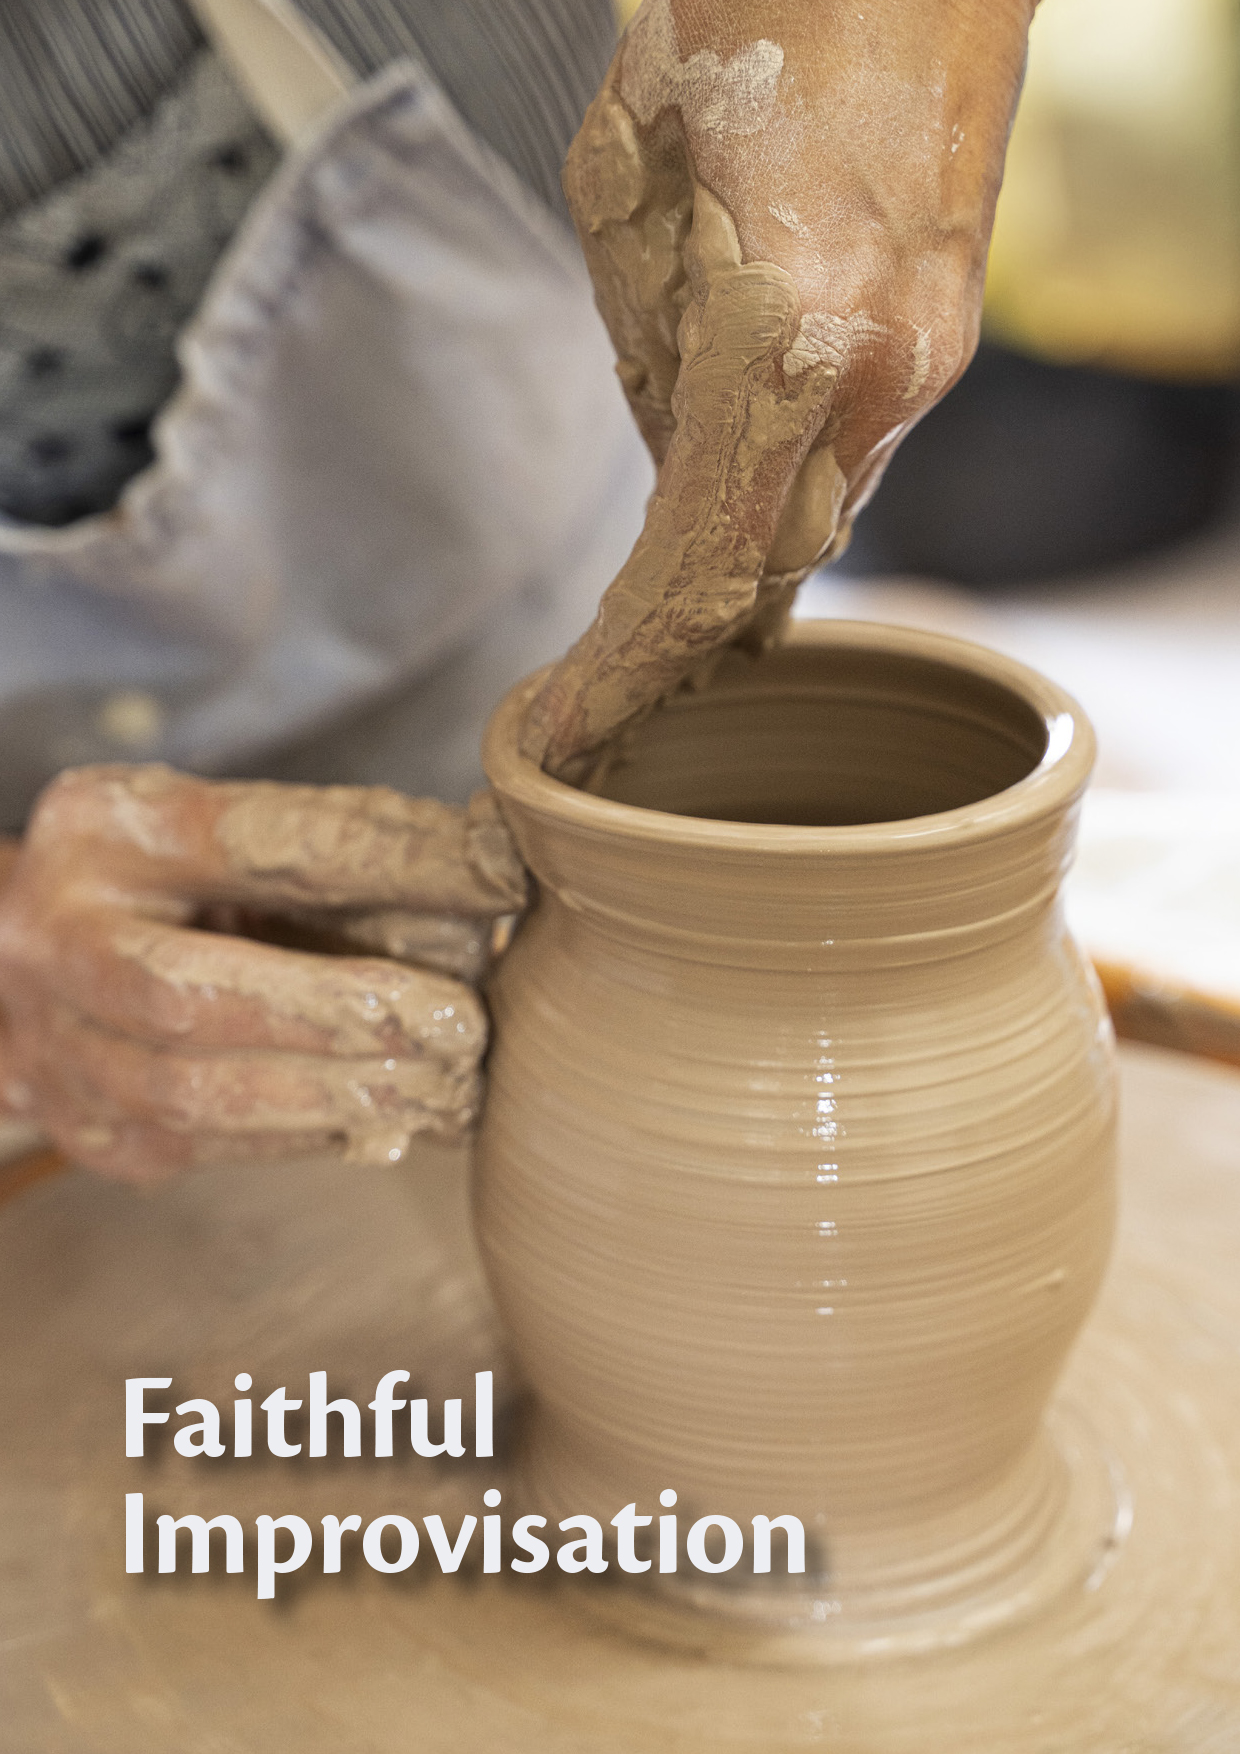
<point>287,68</point>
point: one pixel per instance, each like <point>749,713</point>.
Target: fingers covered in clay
<point>192,1105</point>
<point>168,986</point>
<point>142,1043</point>
<point>267,845</point>
<point>785,211</point>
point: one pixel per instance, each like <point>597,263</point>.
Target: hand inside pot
<point>167,995</point>
<point>785,209</point>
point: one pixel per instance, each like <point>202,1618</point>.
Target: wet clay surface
<point>305,1266</point>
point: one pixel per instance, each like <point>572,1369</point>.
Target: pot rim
<point>1052,786</point>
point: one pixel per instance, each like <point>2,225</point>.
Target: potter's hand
<point>785,209</point>
<point>142,1042</point>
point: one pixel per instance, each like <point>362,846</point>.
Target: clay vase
<point>795,1180</point>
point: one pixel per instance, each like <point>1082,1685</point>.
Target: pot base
<point>1073,1528</point>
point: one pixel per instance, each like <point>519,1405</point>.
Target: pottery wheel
<point>308,1267</point>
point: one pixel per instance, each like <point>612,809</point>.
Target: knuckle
<point>173,1091</point>
<point>105,802</point>
<point>456,1021</point>
<point>69,803</point>
<point>442,1015</point>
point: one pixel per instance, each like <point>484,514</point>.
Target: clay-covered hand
<point>144,1033</point>
<point>785,208</point>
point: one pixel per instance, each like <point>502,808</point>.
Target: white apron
<point>398,445</point>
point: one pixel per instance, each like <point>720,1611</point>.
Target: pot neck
<point>901,902</point>
<point>843,713</point>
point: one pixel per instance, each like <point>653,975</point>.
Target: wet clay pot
<point>795,1181</point>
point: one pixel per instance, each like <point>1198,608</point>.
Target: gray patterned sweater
<point>128,157</point>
